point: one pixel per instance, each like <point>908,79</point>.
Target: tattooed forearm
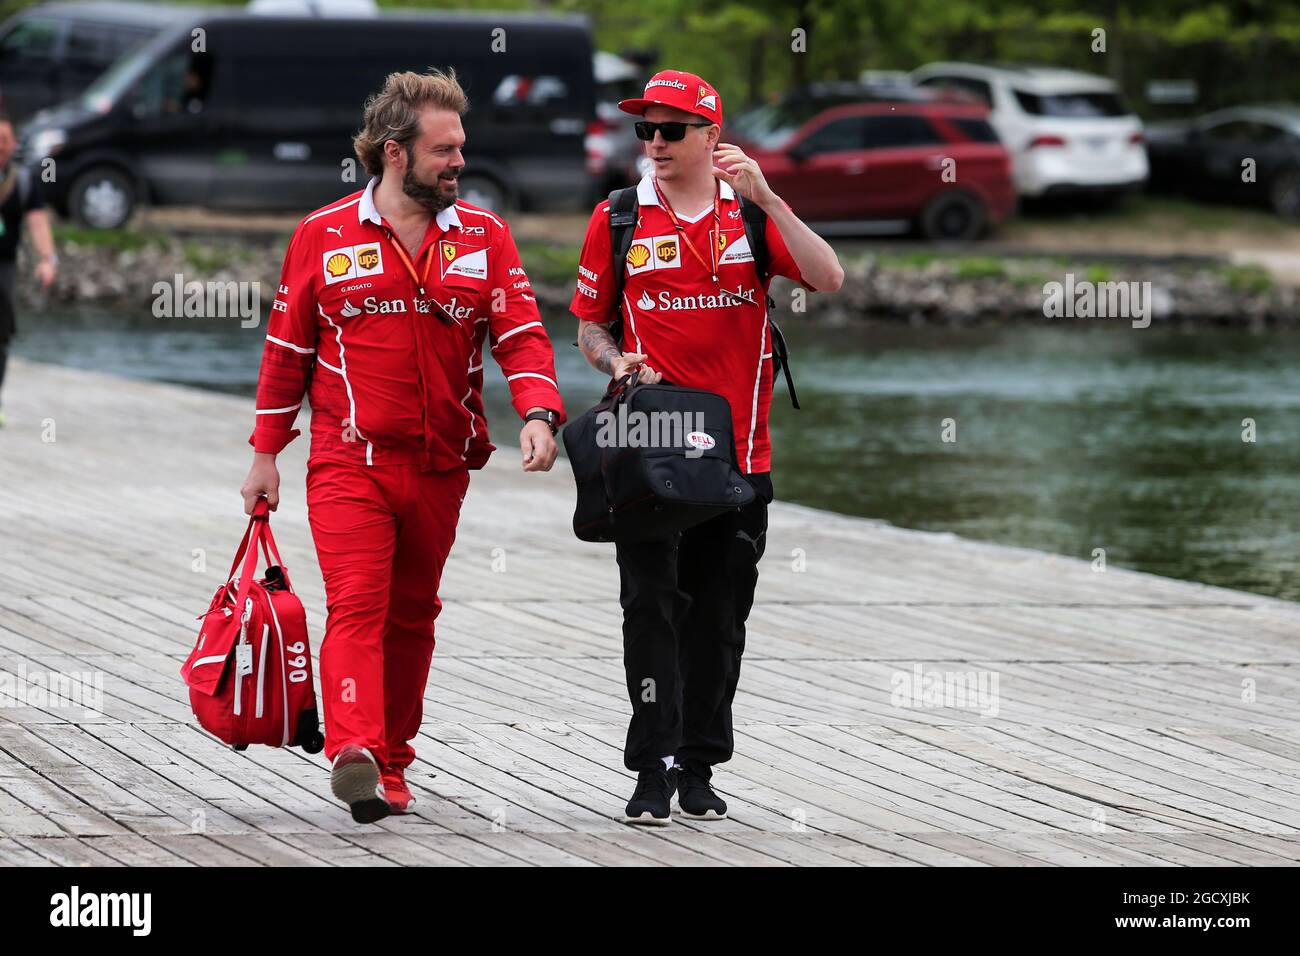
<point>599,346</point>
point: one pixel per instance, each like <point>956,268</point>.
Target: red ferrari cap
<point>685,91</point>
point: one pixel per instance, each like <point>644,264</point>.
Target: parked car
<point>51,53</point>
<point>1068,132</point>
<point>1209,157</point>
<point>263,117</point>
<point>882,167</point>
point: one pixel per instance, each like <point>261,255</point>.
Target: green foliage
<point>981,267</point>
<point>1248,279</point>
<point>1238,50</point>
<point>550,262</point>
<point>1098,273</point>
<point>123,240</point>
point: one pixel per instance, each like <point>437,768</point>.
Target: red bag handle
<point>256,536</point>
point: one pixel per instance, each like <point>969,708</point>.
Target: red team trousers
<point>382,536</point>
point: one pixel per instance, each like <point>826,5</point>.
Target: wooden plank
<point>1117,692</point>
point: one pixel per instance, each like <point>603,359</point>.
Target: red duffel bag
<point>250,674</point>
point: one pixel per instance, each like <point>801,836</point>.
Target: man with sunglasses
<point>693,313</point>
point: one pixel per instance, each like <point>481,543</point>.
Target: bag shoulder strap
<point>623,207</point>
<point>755,220</point>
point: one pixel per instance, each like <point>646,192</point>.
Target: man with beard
<point>385,301</point>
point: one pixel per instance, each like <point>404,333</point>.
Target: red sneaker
<point>396,792</point>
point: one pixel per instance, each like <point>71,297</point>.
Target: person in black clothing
<point>693,314</point>
<point>20,202</point>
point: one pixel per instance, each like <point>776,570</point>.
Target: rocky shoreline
<point>919,288</point>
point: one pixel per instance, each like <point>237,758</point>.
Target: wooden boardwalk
<point>1138,721</point>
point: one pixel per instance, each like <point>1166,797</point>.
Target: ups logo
<point>368,258</point>
<point>666,251</point>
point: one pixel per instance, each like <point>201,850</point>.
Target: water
<point>1067,440</point>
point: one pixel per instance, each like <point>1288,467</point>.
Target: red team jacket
<point>394,374</point>
<point>676,316</point>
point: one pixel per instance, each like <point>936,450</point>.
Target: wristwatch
<point>544,415</point>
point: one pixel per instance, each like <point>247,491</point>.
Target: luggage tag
<point>243,660</point>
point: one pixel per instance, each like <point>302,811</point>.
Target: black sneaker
<point>695,795</point>
<point>650,803</point>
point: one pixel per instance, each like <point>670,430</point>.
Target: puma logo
<point>337,230</point>
<point>752,541</point>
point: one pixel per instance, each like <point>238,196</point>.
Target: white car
<point>1067,132</point>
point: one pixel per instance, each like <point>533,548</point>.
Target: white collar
<point>366,211</point>
<point>647,196</point>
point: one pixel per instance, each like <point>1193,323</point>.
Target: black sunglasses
<point>672,131</point>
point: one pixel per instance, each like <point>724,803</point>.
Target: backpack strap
<point>622,224</point>
<point>755,220</point>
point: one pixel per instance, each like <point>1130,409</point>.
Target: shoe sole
<point>706,815</point>
<point>355,784</point>
<point>648,819</point>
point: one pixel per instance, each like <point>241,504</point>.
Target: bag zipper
<point>243,656</point>
<point>284,676</point>
<point>261,668</point>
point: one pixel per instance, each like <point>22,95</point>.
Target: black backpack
<point>622,224</point>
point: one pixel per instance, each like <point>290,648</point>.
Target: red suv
<point>882,166</point>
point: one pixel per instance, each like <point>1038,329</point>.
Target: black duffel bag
<point>652,460</point>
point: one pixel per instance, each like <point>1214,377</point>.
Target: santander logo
<point>645,302</point>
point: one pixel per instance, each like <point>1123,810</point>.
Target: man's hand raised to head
<point>538,446</point>
<point>263,479</point>
<point>732,166</point>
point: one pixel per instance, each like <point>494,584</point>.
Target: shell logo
<point>638,256</point>
<point>666,250</point>
<point>338,264</point>
<point>448,251</point>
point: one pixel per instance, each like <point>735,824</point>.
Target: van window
<point>31,40</point>
<point>177,84</point>
<point>295,89</point>
<point>99,44</point>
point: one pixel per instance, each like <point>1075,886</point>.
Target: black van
<point>244,111</point>
<point>51,53</point>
